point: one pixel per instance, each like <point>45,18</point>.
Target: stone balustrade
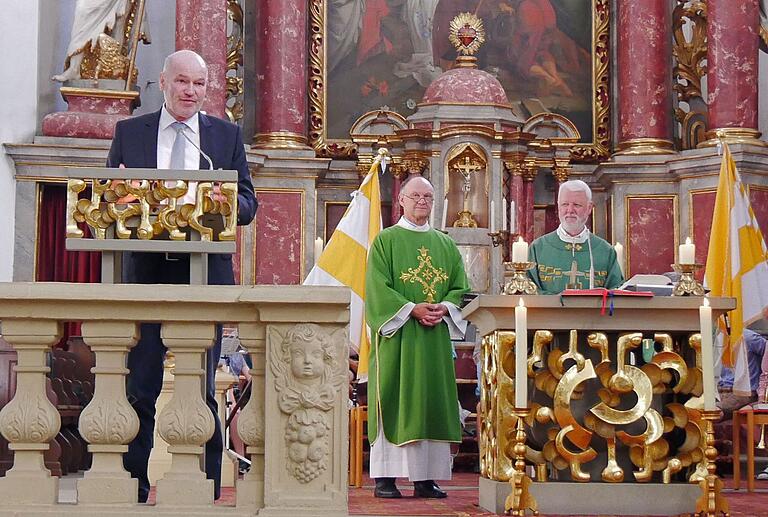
<point>295,424</point>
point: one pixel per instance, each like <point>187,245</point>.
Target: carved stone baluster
<point>186,423</point>
<point>250,424</point>
<point>109,423</point>
<point>29,421</point>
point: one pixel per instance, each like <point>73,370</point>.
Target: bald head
<point>184,82</point>
<point>416,198</point>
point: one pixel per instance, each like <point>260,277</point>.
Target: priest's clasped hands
<point>429,314</point>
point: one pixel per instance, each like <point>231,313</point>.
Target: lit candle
<point>445,212</point>
<point>521,355</point>
<point>707,355</point>
<point>318,248</point>
<point>492,223</point>
<point>512,218</point>
<point>519,251</point>
<point>620,257</point>
<point>687,252</point>
<point>503,216</point>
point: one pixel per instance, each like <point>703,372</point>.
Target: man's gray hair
<point>575,186</point>
<point>179,53</point>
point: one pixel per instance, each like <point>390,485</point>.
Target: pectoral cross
<point>572,274</point>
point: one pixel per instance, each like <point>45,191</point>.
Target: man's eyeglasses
<point>429,198</point>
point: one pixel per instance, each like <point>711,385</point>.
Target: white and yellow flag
<point>344,260</point>
<point>737,266</point>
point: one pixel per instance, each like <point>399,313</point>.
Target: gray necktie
<point>178,151</point>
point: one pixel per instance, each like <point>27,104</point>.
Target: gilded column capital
<point>530,169</point>
<point>415,164</point>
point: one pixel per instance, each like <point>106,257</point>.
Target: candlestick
<point>521,355</point>
<point>512,218</point>
<point>432,217</point>
<point>492,223</point>
<point>445,212</point>
<point>503,215</point>
<point>318,248</point>
<point>520,251</point>
<point>687,252</point>
<point>707,355</point>
<point>620,257</point>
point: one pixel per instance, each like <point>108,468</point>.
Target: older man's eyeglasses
<point>429,198</point>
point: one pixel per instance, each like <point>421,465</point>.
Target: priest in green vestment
<point>415,282</point>
<point>572,257</point>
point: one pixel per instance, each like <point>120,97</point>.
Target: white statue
<point>92,20</point>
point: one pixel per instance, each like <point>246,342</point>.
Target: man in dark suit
<point>173,138</point>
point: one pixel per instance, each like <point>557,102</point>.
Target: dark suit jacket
<point>135,146</point>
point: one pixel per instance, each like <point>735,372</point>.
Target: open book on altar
<point>602,291</point>
<point>606,295</point>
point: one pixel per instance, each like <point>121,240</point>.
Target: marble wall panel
<point>758,198</point>
<point>651,233</point>
<point>702,205</point>
<point>278,233</point>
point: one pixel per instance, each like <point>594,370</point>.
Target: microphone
<point>202,153</point>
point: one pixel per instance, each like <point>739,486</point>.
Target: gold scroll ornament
<point>147,209</point>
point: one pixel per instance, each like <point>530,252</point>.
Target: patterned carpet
<point>462,500</point>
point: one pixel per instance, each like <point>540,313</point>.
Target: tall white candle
<point>519,251</point>
<point>503,216</point>
<point>707,355</point>
<point>432,216</point>
<point>521,355</point>
<point>687,252</point>
<point>492,223</point>
<point>445,212</point>
<point>512,218</point>
<point>318,248</point>
<point>620,257</point>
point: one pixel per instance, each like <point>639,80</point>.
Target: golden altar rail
<point>613,420</point>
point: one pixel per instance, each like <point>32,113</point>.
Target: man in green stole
<point>572,257</point>
<point>415,282</point>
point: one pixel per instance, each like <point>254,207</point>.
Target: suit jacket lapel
<point>206,143</point>
<point>150,141</point>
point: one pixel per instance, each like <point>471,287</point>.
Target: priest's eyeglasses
<point>429,198</point>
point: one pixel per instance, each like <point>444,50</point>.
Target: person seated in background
<point>756,362</point>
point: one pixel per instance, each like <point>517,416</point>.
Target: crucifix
<point>572,274</point>
<point>466,168</point>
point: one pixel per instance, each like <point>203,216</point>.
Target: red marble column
<point>732,67</point>
<point>517,194</point>
<point>201,25</point>
<point>527,230</point>
<point>281,120</point>
<point>644,76</point>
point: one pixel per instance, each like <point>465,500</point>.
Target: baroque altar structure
<point>626,95</point>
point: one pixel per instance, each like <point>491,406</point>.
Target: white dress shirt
<point>166,135</point>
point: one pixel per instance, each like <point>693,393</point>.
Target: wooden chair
<point>357,417</point>
<point>750,417</point>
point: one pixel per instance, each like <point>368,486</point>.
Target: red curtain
<point>54,262</point>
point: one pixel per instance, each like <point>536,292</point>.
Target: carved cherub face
<point>307,359</point>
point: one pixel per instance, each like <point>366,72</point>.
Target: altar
<point>616,414</point>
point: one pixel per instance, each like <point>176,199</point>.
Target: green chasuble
<point>411,378</point>
<point>554,258</point>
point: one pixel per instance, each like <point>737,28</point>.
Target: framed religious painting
<point>549,55</point>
